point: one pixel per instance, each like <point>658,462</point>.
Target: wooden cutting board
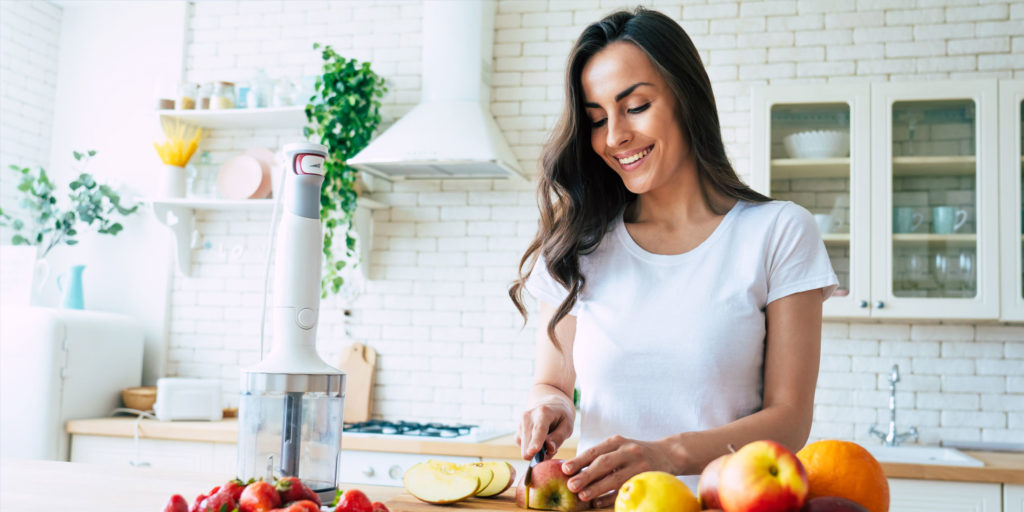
<point>407,503</point>
<point>358,362</point>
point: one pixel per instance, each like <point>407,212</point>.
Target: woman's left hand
<point>608,465</point>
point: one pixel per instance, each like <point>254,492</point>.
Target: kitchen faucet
<point>891,438</point>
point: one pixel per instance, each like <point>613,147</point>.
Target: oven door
<point>384,468</point>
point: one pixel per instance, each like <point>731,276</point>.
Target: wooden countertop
<point>1000,467</point>
<point>226,431</point>
<point>46,486</point>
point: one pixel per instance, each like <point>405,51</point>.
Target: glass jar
<point>187,93</point>
<point>204,183</point>
<point>223,96</point>
<point>283,93</point>
<point>203,96</point>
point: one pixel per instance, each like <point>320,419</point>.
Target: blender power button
<point>306,318</point>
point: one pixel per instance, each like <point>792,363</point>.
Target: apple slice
<point>437,485</point>
<point>504,475</point>
<point>482,473</point>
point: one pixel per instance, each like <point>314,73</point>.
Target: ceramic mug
<point>947,219</point>
<point>905,220</point>
<point>827,223</point>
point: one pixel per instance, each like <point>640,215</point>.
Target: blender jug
<point>291,408</point>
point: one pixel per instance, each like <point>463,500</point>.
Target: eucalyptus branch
<point>50,225</point>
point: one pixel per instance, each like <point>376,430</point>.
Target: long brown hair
<point>578,194</point>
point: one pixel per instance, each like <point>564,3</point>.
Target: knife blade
<point>537,458</point>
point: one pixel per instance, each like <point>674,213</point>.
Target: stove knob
<point>395,472</point>
<point>368,471</point>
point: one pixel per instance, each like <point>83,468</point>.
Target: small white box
<point>188,399</point>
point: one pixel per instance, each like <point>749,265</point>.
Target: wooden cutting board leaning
<point>358,362</point>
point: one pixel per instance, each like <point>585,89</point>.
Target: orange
<point>845,469</point>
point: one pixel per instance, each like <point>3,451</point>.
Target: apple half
<point>549,489</point>
<point>440,484</point>
<point>504,475</point>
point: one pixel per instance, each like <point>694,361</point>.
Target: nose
<point>619,132</point>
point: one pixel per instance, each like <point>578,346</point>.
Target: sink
<point>914,454</point>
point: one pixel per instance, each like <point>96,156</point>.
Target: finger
<point>605,500</point>
<point>588,456</point>
<point>538,434</point>
<point>525,428</point>
<point>601,476</point>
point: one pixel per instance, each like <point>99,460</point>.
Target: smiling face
<point>635,127</point>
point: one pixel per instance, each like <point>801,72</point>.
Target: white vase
<point>174,181</point>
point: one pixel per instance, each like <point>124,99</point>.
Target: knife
<point>537,458</point>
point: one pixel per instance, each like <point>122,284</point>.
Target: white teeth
<point>630,159</point>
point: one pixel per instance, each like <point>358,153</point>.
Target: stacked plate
<point>818,144</point>
<point>246,176</point>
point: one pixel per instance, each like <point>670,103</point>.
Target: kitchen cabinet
<point>1011,204</point>
<point>1013,498</point>
<point>909,213</point>
<point>179,214</point>
<point>154,453</point>
<point>907,495</point>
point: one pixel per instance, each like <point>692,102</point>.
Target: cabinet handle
<point>863,304</point>
<point>368,471</point>
<point>395,472</point>
<point>879,305</point>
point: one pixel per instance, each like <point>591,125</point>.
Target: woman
<point>684,306</point>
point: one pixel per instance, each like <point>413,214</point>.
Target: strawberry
<point>299,506</point>
<point>259,497</point>
<point>220,501</point>
<point>354,500</point>
<point>176,504</point>
<point>292,489</point>
<point>379,507</point>
<point>235,487</point>
<point>200,498</point>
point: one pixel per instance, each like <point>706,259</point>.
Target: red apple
<point>707,487</point>
<point>549,489</point>
<point>763,476</point>
<point>832,504</point>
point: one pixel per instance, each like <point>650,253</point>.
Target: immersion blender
<point>291,407</point>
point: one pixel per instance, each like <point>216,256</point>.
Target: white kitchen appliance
<point>291,408</point>
<point>58,365</point>
<point>179,398</point>
<point>451,132</point>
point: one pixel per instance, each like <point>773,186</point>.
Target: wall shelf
<point>934,166</point>
<point>955,239</point>
<point>241,118</point>
<point>179,216</point>
<point>788,168</point>
<point>836,238</point>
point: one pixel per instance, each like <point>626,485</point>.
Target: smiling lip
<point>630,160</point>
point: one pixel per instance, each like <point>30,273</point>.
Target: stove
<point>454,432</point>
<point>387,468</point>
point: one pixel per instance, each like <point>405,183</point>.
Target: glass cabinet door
<point>811,148</point>
<point>1011,164</point>
<point>935,170</point>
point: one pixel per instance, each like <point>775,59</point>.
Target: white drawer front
<point>383,468</point>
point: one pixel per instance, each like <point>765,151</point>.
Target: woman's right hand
<point>549,420</point>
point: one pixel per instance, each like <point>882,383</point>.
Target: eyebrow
<point>625,92</point>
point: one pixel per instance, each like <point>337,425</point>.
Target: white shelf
<point>179,216</point>
<point>242,118</point>
<point>957,239</point>
<point>836,238</point>
<point>788,168</point>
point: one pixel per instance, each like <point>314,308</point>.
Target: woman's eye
<point>599,123</point>
<point>639,109</point>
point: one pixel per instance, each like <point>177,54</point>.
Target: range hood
<point>451,133</point>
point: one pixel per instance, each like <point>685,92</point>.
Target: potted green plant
<point>343,114</point>
<point>46,222</point>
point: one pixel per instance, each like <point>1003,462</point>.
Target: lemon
<point>655,491</point>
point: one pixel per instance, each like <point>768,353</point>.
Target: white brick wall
<point>435,308</point>
<point>29,36</point>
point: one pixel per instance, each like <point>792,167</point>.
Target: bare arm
<point>792,353</point>
<point>550,413</point>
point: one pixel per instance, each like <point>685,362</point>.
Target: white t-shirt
<point>675,343</point>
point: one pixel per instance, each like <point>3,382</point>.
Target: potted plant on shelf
<point>51,222</point>
<point>344,113</point>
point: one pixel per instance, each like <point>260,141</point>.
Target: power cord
<point>139,415</point>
